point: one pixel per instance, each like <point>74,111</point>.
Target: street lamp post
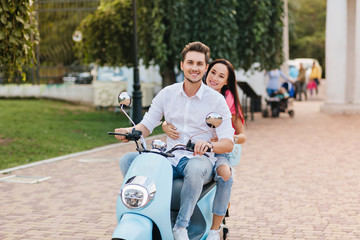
<point>137,109</point>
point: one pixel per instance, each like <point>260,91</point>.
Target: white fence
<point>75,93</point>
<point>102,94</point>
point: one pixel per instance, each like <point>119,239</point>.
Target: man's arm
<point>224,132</point>
<point>150,121</point>
<point>140,127</point>
<point>224,145</point>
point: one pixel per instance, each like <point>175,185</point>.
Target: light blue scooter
<point>149,199</point>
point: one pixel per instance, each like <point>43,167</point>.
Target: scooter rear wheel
<point>224,234</point>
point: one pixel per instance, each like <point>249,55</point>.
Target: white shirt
<point>188,116</point>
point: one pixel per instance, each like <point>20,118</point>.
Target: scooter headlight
<point>137,192</point>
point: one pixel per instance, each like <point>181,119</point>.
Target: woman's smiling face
<point>217,76</point>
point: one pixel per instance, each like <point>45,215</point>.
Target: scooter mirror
<point>124,99</point>
<point>214,120</point>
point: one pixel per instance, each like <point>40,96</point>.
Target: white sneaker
<point>180,233</point>
<point>213,235</point>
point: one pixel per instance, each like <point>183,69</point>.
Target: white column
<point>336,49</point>
<point>350,55</point>
<point>284,67</point>
<point>357,55</point>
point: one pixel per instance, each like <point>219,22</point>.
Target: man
<point>185,105</point>
<point>301,80</point>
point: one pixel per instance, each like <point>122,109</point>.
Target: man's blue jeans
<point>196,172</point>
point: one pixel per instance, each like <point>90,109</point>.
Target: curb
<point>55,159</point>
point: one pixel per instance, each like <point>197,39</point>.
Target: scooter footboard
<point>133,227</point>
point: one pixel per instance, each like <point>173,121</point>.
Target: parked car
<point>69,78</point>
<point>84,78</point>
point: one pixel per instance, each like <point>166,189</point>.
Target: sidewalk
<point>298,179</point>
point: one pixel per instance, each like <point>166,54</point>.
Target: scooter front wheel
<point>133,227</point>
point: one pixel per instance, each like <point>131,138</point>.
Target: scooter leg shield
<point>205,205</point>
<point>133,227</point>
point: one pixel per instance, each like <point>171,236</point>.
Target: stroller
<point>280,101</point>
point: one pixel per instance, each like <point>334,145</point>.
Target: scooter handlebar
<point>114,133</point>
<point>190,147</point>
<point>133,136</point>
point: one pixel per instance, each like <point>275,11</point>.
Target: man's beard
<point>192,81</point>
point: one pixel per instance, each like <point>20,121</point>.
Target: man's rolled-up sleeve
<point>153,117</point>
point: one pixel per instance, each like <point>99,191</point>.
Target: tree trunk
<point>168,76</point>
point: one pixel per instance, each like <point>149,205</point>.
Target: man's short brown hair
<point>196,47</point>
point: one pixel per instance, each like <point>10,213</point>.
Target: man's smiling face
<point>194,66</point>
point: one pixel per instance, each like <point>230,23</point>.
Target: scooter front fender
<point>159,170</point>
<point>133,227</point>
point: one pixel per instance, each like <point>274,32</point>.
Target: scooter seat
<point>176,190</point>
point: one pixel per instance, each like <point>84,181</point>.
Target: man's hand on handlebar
<point>201,147</point>
<point>123,131</point>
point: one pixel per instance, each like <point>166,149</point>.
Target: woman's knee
<point>224,171</point>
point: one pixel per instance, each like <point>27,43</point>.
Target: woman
<point>314,79</point>
<point>274,78</point>
<point>221,77</point>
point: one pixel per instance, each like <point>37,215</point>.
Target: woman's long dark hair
<point>231,85</point>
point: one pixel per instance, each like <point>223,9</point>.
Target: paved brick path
<point>298,179</point>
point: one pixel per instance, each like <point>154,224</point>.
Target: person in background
<point>294,73</point>
<point>301,82</point>
<point>315,76</point>
<point>220,76</point>
<point>274,81</point>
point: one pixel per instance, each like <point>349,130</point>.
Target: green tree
<point>18,36</point>
<point>58,21</point>
<point>177,23</point>
<point>244,32</point>
<point>307,29</point>
<point>107,35</point>
<point>261,33</point>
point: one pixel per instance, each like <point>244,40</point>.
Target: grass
<point>38,129</point>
